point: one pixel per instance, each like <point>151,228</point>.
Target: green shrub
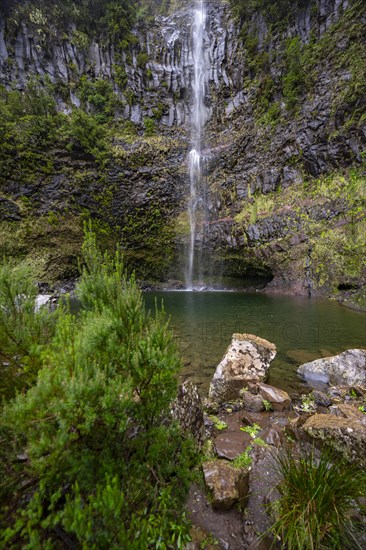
<point>149,124</point>
<point>28,128</point>
<point>106,19</point>
<point>105,466</point>
<point>98,95</point>
<point>317,496</point>
<point>293,81</point>
<point>84,131</point>
<point>142,59</point>
<point>23,331</point>
<point>120,76</point>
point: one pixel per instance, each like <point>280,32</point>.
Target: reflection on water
<point>303,329</point>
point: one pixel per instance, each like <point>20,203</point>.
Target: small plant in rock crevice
<point>260,442</point>
<point>308,403</point>
<point>218,424</point>
<point>208,451</point>
<point>251,430</point>
<point>243,460</point>
<point>267,405</point>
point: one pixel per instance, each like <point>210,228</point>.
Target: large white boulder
<point>347,368</point>
<point>247,359</point>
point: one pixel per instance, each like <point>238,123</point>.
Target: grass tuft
<point>317,503</point>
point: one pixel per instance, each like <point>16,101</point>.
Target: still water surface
<point>303,329</point>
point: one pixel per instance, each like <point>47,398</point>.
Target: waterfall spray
<point>199,116</point>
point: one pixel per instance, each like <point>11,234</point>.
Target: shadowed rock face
<point>165,78</point>
<point>187,409</point>
<point>252,402</point>
<point>168,72</point>
<point>347,368</point>
<point>247,359</point>
<point>346,434</point>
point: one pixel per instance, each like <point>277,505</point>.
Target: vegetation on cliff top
<point>88,451</point>
<point>299,60</point>
<point>111,19</point>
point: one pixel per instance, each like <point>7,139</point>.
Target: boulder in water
<point>347,368</point>
<point>247,359</point>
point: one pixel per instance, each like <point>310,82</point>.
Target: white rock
<point>247,359</point>
<point>42,300</point>
<point>347,368</point>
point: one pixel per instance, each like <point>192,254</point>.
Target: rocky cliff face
<point>284,145</point>
<point>285,192</point>
<point>152,75</point>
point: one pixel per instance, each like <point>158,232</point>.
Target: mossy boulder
<point>347,368</point>
<point>346,435</point>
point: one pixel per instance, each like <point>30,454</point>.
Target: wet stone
<point>227,484</point>
<point>230,445</point>
<point>279,399</point>
<point>252,402</point>
<point>321,398</point>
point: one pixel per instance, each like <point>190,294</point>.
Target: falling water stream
<point>196,204</point>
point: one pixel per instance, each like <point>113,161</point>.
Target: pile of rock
<point>238,385</point>
<point>324,417</point>
<point>241,399</point>
<point>341,426</point>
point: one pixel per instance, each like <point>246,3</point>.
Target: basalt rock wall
<point>157,64</point>
<point>283,147</point>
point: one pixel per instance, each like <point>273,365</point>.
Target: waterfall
<point>196,204</point>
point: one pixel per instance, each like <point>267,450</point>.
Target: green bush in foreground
<point>102,465</point>
<point>22,333</point>
<point>317,496</point>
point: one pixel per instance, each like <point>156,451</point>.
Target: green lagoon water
<point>303,329</point>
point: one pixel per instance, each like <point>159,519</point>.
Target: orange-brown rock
<point>279,399</point>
